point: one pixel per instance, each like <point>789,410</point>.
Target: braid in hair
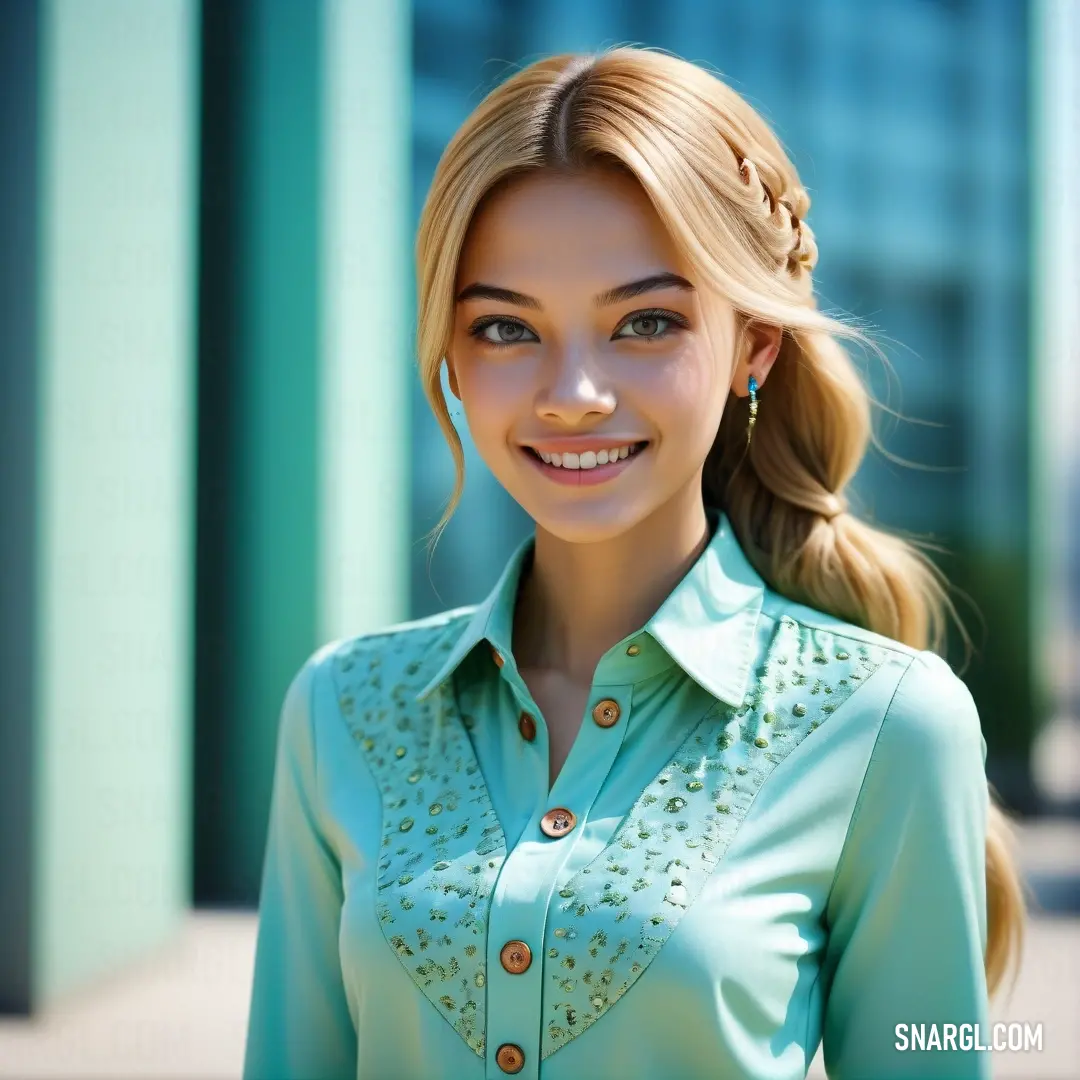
<point>795,239</point>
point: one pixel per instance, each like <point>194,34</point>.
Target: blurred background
<point>215,454</point>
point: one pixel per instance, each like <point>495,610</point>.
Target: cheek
<point>492,396</point>
<point>685,397</point>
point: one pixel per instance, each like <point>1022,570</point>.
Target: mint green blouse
<point>777,839</point>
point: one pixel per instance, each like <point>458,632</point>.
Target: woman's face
<point>544,361</point>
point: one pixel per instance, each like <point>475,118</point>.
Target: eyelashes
<point>675,321</point>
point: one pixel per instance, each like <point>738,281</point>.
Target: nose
<point>575,389</point>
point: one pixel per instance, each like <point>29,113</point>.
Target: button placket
<point>531,735</point>
<point>529,879</point>
<point>594,750</point>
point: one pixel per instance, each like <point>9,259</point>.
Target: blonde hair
<point>729,196</point>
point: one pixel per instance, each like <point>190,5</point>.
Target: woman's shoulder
<point>928,707</point>
<point>358,671</point>
<point>354,678</point>
<point>777,607</point>
<point>401,644</point>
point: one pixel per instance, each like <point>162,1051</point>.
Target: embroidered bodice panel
<point>443,847</point>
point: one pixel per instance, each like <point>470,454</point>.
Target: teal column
<point>274,548</point>
<point>260,281</point>
<point>304,442</point>
<point>109,473</point>
<point>19,196</point>
<point>367,309</point>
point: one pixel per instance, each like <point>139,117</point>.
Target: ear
<point>761,345</point>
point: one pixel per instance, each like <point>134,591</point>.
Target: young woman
<point>688,793</point>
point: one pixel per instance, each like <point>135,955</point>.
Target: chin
<point>588,524</point>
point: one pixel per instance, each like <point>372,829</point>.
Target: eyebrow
<point>480,291</point>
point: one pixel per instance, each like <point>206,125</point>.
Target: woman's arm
<point>907,912</point>
<point>299,1025</point>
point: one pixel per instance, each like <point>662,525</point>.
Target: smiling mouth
<point>587,460</point>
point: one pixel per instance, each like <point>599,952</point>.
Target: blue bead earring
<point>753,408</point>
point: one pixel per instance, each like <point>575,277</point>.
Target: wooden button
<point>516,957</point>
<point>606,713</point>
<point>632,650</point>
<point>557,822</point>
<point>527,727</point>
<point>497,657</point>
<point>510,1058</point>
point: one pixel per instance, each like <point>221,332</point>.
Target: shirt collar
<point>706,625</point>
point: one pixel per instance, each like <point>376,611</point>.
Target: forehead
<point>597,224</point>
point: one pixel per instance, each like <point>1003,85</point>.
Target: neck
<point>577,600</point>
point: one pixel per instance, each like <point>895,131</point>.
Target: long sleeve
<point>299,1024</point>
<point>907,912</point>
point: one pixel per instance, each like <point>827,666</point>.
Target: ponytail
<point>784,497</point>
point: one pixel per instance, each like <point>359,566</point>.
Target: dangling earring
<point>753,408</point>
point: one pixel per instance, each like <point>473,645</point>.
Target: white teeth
<point>588,459</point>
